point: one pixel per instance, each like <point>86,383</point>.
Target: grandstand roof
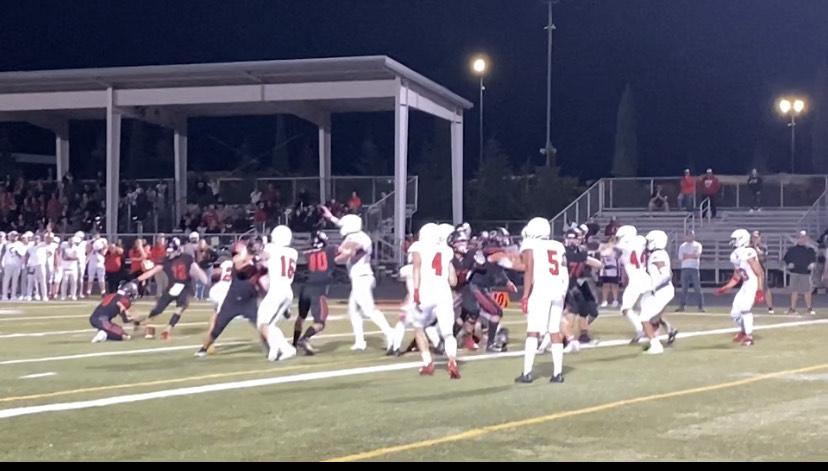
<point>330,85</point>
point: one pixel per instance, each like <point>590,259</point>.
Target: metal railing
<point>588,204</point>
<point>815,220</point>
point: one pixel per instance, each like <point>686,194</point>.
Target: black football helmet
<point>173,247</point>
<point>128,289</point>
<point>320,240</point>
<point>459,241</point>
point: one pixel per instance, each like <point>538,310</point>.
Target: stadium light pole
<point>479,67</point>
<point>792,107</point>
<point>548,150</point>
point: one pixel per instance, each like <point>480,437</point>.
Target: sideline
<point>131,398</point>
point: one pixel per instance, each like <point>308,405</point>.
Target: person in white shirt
<point>82,257</point>
<point>27,240</point>
<point>659,293</point>
<point>12,265</point>
<point>69,262</point>
<point>281,266</point>
<point>36,259</point>
<point>95,270</point>
<point>689,254</point>
<point>54,269</point>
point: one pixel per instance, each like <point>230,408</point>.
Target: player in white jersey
<point>632,251</point>
<point>661,290</point>
<point>95,270</point>
<point>281,264</point>
<point>53,267</point>
<point>69,261</point>
<point>219,289</point>
<point>82,257</point>
<point>36,260</point>
<point>749,273</point>
<point>434,277</point>
<point>26,239</point>
<point>545,283</point>
<point>12,266</point>
<point>355,252</point>
<point>408,308</point>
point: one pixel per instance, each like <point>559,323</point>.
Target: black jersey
<point>242,287</point>
<point>577,261</point>
<point>109,306</point>
<point>178,269</point>
<point>321,266</point>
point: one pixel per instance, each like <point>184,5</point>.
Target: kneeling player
<point>180,269</point>
<point>113,305</point>
<point>313,297</point>
<point>242,295</point>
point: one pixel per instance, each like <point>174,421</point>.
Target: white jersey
<point>659,270</point>
<point>38,255</point>
<point>223,284</point>
<point>281,266</point>
<point>51,251</point>
<point>360,262</point>
<point>633,260</point>
<point>13,256</point>
<point>81,250</point>
<point>550,274</point>
<point>435,263</point>
<point>69,254</point>
<point>97,252</point>
<point>739,258</point>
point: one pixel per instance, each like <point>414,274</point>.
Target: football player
<point>749,273</point>
<point>113,305</point>
<point>313,297</point>
<point>660,293</point>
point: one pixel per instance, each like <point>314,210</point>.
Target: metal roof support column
<point>61,156</point>
<point>113,164</point>
<point>457,168</point>
<point>325,160</point>
<point>180,152</point>
<point>400,170</point>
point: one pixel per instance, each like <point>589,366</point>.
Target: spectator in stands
<point>612,227</point>
<point>113,264</point>
<point>255,197</point>
<point>710,190</point>
<point>658,201</point>
<point>137,256</point>
<point>762,253</point>
<point>592,228</point>
<point>157,254</point>
<point>754,184</point>
<point>800,260</point>
<point>689,254</point>
<point>687,193</point>
<point>354,203</point>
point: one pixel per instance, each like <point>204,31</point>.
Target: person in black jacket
<point>801,260</point>
<point>754,184</point>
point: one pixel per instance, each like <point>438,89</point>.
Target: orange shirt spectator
<point>137,255</point>
<point>158,251</point>
<point>688,184</point>
<point>113,260</point>
<point>355,202</point>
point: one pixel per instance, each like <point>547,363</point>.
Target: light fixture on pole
<point>479,67</point>
<point>792,107</point>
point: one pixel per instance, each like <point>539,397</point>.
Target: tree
<point>625,158</point>
<point>819,130</point>
<point>550,192</point>
<point>495,193</point>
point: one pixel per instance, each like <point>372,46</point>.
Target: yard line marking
<point>38,375</point>
<point>55,407</point>
<point>477,432</point>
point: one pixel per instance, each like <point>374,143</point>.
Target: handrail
<point>585,195</point>
<point>704,207</point>
<point>809,213</point>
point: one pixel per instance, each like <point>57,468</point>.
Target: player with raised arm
<point>112,306</point>
<point>545,284</point>
<point>749,273</point>
<point>660,293</point>
<point>632,251</point>
<point>313,297</point>
<point>355,252</point>
<point>434,276</point>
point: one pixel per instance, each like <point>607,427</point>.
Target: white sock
<point>557,359</point>
<point>632,317</point>
<point>356,324</point>
<point>450,346</point>
<point>275,338</point>
<point>379,318</point>
<point>747,323</point>
<point>433,335</point>
<point>399,335</point>
<point>529,352</point>
<point>426,357</point>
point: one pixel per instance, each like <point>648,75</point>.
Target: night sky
<point>705,73</point>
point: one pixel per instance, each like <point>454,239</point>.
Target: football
<point>147,265</point>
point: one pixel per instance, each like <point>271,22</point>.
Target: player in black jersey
<point>113,305</point>
<point>313,297</point>
<point>467,261</point>
<point>242,299</point>
<point>180,269</point>
<point>581,299</point>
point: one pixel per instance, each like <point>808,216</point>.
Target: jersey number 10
<point>318,261</point>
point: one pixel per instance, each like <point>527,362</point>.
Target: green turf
<point>772,419</point>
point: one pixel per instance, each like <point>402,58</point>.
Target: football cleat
<point>558,378</point>
<point>427,370</point>
<point>526,379</point>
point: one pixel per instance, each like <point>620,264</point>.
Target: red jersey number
<point>318,261</point>
<point>179,272</point>
<point>288,267</point>
<point>554,266</point>
<point>634,261</point>
<point>437,264</point>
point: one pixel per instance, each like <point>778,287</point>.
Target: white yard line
<point>37,375</point>
<point>167,393</point>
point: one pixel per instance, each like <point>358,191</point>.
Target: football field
<point>63,398</point>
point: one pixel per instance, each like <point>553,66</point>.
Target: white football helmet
<point>445,230</point>
<point>281,236</point>
<point>537,228</point>
<point>429,234</point>
<point>626,232</point>
<point>740,238</point>
<point>349,224</point>
<point>656,240</point>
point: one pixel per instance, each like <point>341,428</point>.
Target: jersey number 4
<point>318,261</point>
<point>437,264</point>
<point>634,261</point>
<point>288,267</point>
<point>554,266</point>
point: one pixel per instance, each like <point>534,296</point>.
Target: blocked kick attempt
<point>545,284</point>
<point>749,273</point>
<point>434,276</point>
